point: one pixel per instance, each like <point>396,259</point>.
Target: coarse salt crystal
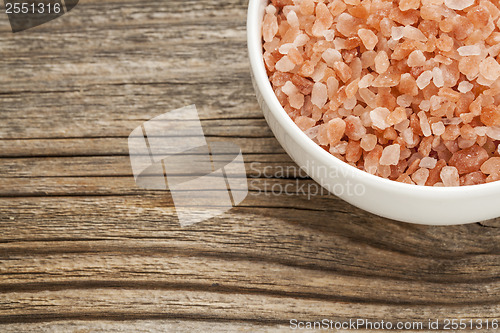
<point>437,77</point>
<point>414,33</point>
<point>289,88</point>
<point>379,116</point>
<point>404,100</point>
<point>450,177</point>
<point>397,33</point>
<point>438,128</point>
<point>366,81</point>
<point>416,58</point>
<point>424,124</point>
<point>368,38</point>
<point>469,50</point>
<point>428,162</point>
<point>390,155</point>
<point>285,48</point>
<point>458,4</point>
<point>490,68</point>
<point>319,94</point>
<point>331,56</point>
<point>424,79</point>
<point>285,65</point>
<point>465,87</point>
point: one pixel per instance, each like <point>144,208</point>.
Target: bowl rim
<point>259,72</point>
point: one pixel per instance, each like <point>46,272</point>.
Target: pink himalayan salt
<point>390,155</point>
<point>469,50</point>
<point>335,130</point>
<point>366,81</point>
<point>354,90</point>
<point>319,94</point>
<point>491,166</point>
<point>331,56</point>
<point>397,33</point>
<point>368,38</point>
<point>424,79</point>
<point>381,62</point>
<point>469,160</point>
<point>437,77</point>
<point>424,124</point>
<point>372,160</point>
<point>465,87</point>
<point>428,162</point>
<point>416,58</point>
<point>414,34</point>
<point>285,65</point>
<point>490,68</point>
<point>354,128</point>
<point>458,4</point>
<point>378,117</point>
<point>449,176</point>
<point>368,142</point>
<point>420,176</point>
<point>405,5</point>
<point>438,128</point>
<point>304,123</point>
<point>324,20</point>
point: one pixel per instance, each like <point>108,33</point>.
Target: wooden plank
<point>150,326</point>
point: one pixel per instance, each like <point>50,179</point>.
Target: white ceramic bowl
<point>398,201</point>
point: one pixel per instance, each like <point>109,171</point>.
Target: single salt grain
<point>416,58</point>
<point>490,68</point>
<point>319,94</point>
<point>335,130</point>
<point>424,124</point>
<point>437,77</point>
<point>491,166</point>
<point>397,33</point>
<point>292,19</point>
<point>390,155</point>
<point>469,50</point>
<point>331,56</point>
<point>285,65</point>
<point>368,38</point>
<point>312,132</point>
<point>381,62</point>
<point>438,128</point>
<point>368,142</point>
<point>405,5</point>
<point>378,117</point>
<point>404,100</point>
<point>289,88</point>
<point>458,4</point>
<point>465,87</point>
<point>428,162</point>
<point>285,48</point>
<point>350,103</point>
<point>366,81</point>
<point>269,27</point>
<point>424,79</point>
<point>425,105</point>
<point>450,177</point>
<point>301,40</point>
<point>420,176</point>
<point>414,33</point>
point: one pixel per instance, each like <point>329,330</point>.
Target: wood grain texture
<point>83,249</point>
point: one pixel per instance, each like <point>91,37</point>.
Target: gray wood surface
<point>83,249</point>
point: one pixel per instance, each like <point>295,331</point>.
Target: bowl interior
<point>256,10</point>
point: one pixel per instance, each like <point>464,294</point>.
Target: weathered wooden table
<point>83,249</point>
